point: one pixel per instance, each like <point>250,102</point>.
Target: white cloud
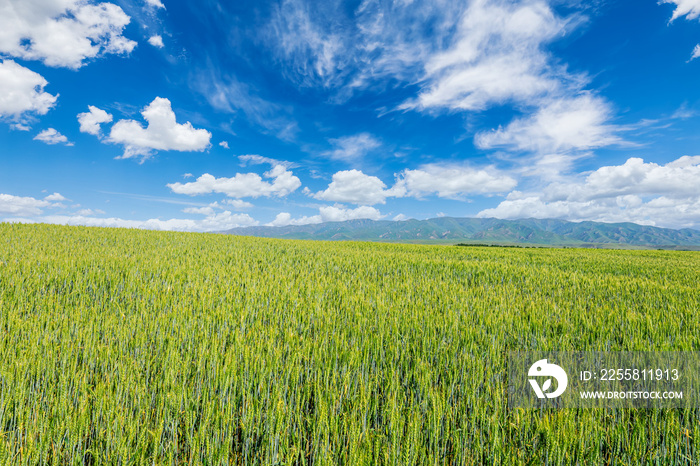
<point>496,57</point>
<point>62,33</point>
<point>155,3</point>
<point>691,10</point>
<point>463,56</point>
<point>227,94</point>
<point>646,193</point>
<point>400,218</point>
<point>89,212</point>
<point>352,148</point>
<point>55,197</point>
<point>22,92</point>
<point>90,121</point>
<point>285,218</point>
<point>217,222</point>
<point>237,204</point>
<point>254,159</point>
<point>25,206</point>
<point>451,181</point>
<point>447,181</point>
<point>696,52</point>
<point>679,178</point>
<point>355,187</point>
<point>224,144</point>
<point>340,214</point>
<point>688,8</point>
<point>563,125</point>
<point>312,48</point>
<point>322,44</point>
<point>156,41</point>
<point>51,136</point>
<point>242,184</point>
<point>162,132</point>
<point>207,210</point>
<point>335,213</point>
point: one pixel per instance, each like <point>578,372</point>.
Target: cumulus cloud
<point>242,184</point>
<point>224,144</point>
<point>237,204</point>
<point>688,8</point>
<point>24,206</point>
<point>207,210</point>
<point>341,214</point>
<point>162,133</point>
<point>354,187</point>
<point>336,213</point>
<point>447,181</point>
<point>91,120</point>
<point>216,222</point>
<point>22,92</point>
<point>52,136</point>
<point>89,212</point>
<point>156,41</point>
<point>62,33</point>
<point>285,218</point>
<point>636,191</point>
<point>55,197</point>
<point>451,181</point>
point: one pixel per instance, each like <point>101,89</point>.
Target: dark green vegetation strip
<point>136,347</point>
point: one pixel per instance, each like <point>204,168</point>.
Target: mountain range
<point>485,231</point>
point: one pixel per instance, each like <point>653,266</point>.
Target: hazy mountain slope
<point>483,230</point>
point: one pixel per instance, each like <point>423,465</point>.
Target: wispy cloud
<point>314,49</point>
<point>459,57</point>
<point>561,126</point>
<point>227,94</point>
<point>352,148</point>
<point>691,10</point>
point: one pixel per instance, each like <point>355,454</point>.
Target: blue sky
<point>204,116</point>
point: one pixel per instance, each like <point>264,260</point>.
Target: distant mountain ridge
<point>483,231</point>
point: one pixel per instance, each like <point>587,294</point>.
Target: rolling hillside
<point>546,232</point>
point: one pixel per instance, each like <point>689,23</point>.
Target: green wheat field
<point>137,347</point>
